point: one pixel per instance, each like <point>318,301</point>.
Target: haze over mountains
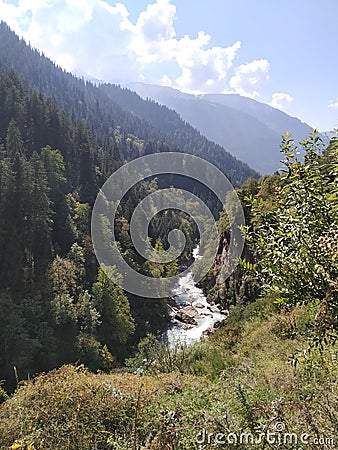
<point>248,129</point>
<point>214,126</point>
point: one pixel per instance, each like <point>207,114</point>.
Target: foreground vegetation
<point>241,380</point>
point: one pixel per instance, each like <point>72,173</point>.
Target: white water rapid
<point>193,303</point>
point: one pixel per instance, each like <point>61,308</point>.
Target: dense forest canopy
<point>54,157</point>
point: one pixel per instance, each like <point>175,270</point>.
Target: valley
<point>245,351</point>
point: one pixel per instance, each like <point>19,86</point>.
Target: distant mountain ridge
<point>248,129</point>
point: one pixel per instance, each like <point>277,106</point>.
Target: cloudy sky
<point>279,52</point>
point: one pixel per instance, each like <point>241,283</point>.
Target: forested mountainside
<point>248,129</point>
<point>181,134</point>
<point>104,109</point>
<point>56,305</point>
<point>273,118</point>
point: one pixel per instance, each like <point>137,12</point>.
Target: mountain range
<point>240,135</point>
<point>248,129</point>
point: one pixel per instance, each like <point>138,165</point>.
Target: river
<point>191,299</point>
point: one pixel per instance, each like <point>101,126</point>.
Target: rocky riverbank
<point>191,315</point>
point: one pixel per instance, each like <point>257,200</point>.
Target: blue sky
<point>279,52</point>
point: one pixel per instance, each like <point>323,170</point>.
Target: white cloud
<point>18,16</point>
<point>281,100</point>
<point>165,81</point>
<point>88,37</point>
<point>153,33</point>
<point>91,37</point>
<point>157,22</point>
<point>203,69</point>
<point>333,103</point>
<point>249,77</point>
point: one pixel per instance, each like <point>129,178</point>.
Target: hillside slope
<point>238,383</point>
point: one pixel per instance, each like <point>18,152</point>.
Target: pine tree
<point>62,227</point>
<point>113,305</point>
<point>39,246</point>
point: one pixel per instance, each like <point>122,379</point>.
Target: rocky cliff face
<point>239,288</point>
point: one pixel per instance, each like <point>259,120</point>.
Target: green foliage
<point>117,323</point>
<point>55,167</point>
<point>13,336</point>
<point>78,410</point>
<point>154,356</point>
<point>295,243</point>
<point>246,384</point>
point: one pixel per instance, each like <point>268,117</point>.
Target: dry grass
<point>245,383</point>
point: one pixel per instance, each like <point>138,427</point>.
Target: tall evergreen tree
<point>117,322</point>
<point>39,248</point>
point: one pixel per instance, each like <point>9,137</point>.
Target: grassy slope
<point>240,379</point>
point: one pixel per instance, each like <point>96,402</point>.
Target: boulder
<point>199,305</point>
<point>185,318</point>
<point>205,314</point>
<point>214,308</point>
<point>219,324</point>
<point>172,302</point>
<point>190,311</point>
